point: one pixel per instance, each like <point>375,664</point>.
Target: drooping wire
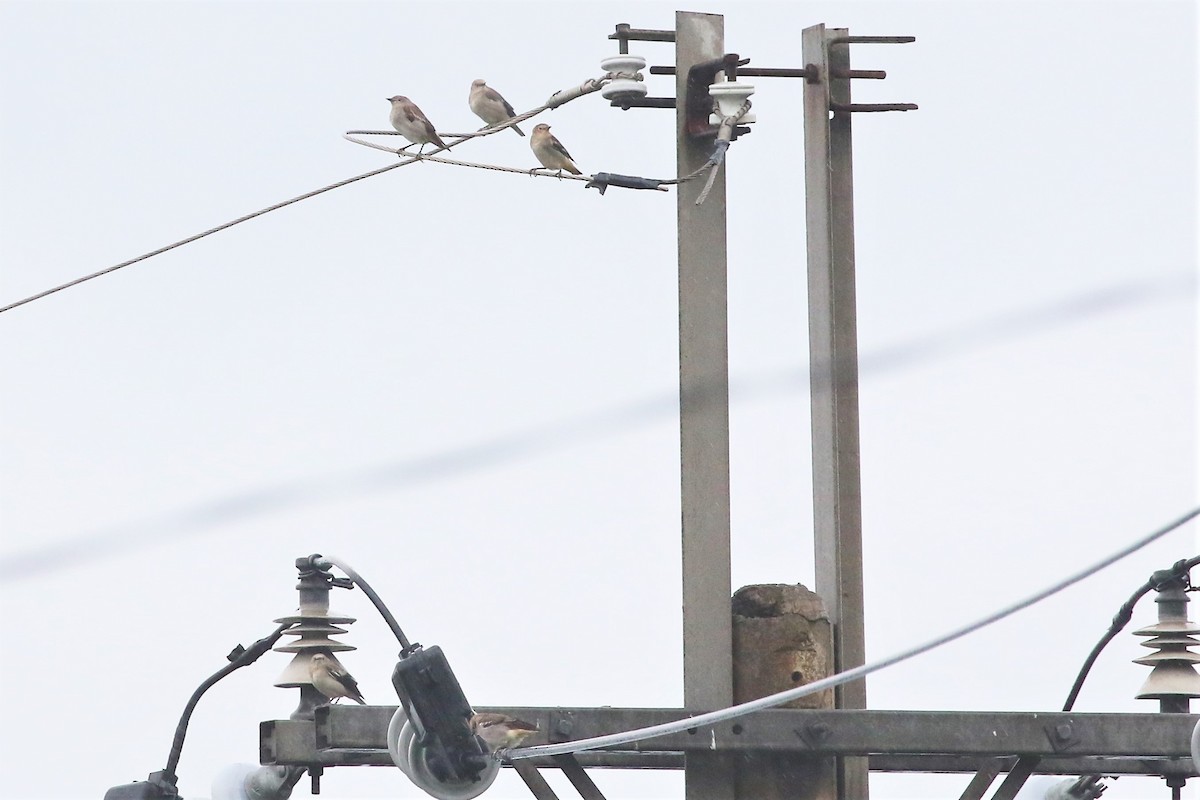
<point>559,98</point>
<point>376,600</point>
<point>1178,570</point>
<point>201,235</point>
<point>722,715</point>
<point>601,180</point>
<point>201,518</point>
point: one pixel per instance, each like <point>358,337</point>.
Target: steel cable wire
<point>722,715</point>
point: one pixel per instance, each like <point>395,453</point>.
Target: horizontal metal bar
<point>293,742</point>
<point>645,102</point>
<point>780,72</point>
<point>872,39</point>
<point>605,759</point>
<point>870,74</point>
<point>829,732</point>
<point>641,34</point>
<point>1047,766</point>
<point>873,106</point>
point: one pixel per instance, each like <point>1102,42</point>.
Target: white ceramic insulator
<point>408,754</point>
<point>619,87</point>
<point>729,96</point>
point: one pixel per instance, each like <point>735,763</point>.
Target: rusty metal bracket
<point>809,72</point>
<point>854,107</point>
<point>624,34</point>
<point>872,39</point>
<point>643,102</point>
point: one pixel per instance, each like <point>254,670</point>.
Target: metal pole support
<point>703,420</point>
<point>833,358</point>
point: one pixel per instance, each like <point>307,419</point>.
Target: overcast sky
<point>463,382</point>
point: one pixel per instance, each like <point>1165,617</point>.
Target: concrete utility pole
<point>703,420</point>
<point>833,360</point>
<point>771,638</point>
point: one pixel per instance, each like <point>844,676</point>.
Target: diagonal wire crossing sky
<point>210,516</point>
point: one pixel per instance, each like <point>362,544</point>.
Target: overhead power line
<point>557,99</point>
<point>770,701</point>
<point>210,515</point>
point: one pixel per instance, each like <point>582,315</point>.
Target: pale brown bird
<point>331,679</point>
<point>489,106</point>
<point>500,731</point>
<point>550,151</point>
<point>412,123</point>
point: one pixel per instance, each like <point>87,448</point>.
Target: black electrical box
<point>438,711</point>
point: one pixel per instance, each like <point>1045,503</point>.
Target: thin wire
<point>1121,619</point>
<point>462,137</point>
<point>710,166</point>
<point>208,232</point>
<point>395,475</point>
<point>713,717</point>
<point>559,98</point>
<point>538,171</point>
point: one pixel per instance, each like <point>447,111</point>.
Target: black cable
<point>319,561</point>
<point>1178,570</point>
<point>238,658</point>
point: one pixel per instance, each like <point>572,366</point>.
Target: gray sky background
<point>462,382</point>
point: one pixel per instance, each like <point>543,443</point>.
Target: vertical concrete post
<point>782,638</point>
<point>833,360</point>
<point>703,419</point>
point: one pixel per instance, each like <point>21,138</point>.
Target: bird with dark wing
<point>500,731</point>
<point>412,123</point>
<point>332,680</point>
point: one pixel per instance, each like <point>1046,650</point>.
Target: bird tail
<point>574,170</point>
<point>518,130</point>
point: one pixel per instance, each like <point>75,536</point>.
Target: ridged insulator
<point>1173,679</point>
<point>313,629</point>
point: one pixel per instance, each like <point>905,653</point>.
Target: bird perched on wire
<point>412,123</point>
<point>550,151</point>
<point>489,106</point>
<point>331,679</point>
<point>500,731</point>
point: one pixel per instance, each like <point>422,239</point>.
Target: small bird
<point>332,680</point>
<point>500,730</point>
<point>489,106</point>
<point>550,152</point>
<point>412,123</point>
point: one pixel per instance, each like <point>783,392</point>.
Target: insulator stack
<point>1173,681</point>
<point>314,625</point>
